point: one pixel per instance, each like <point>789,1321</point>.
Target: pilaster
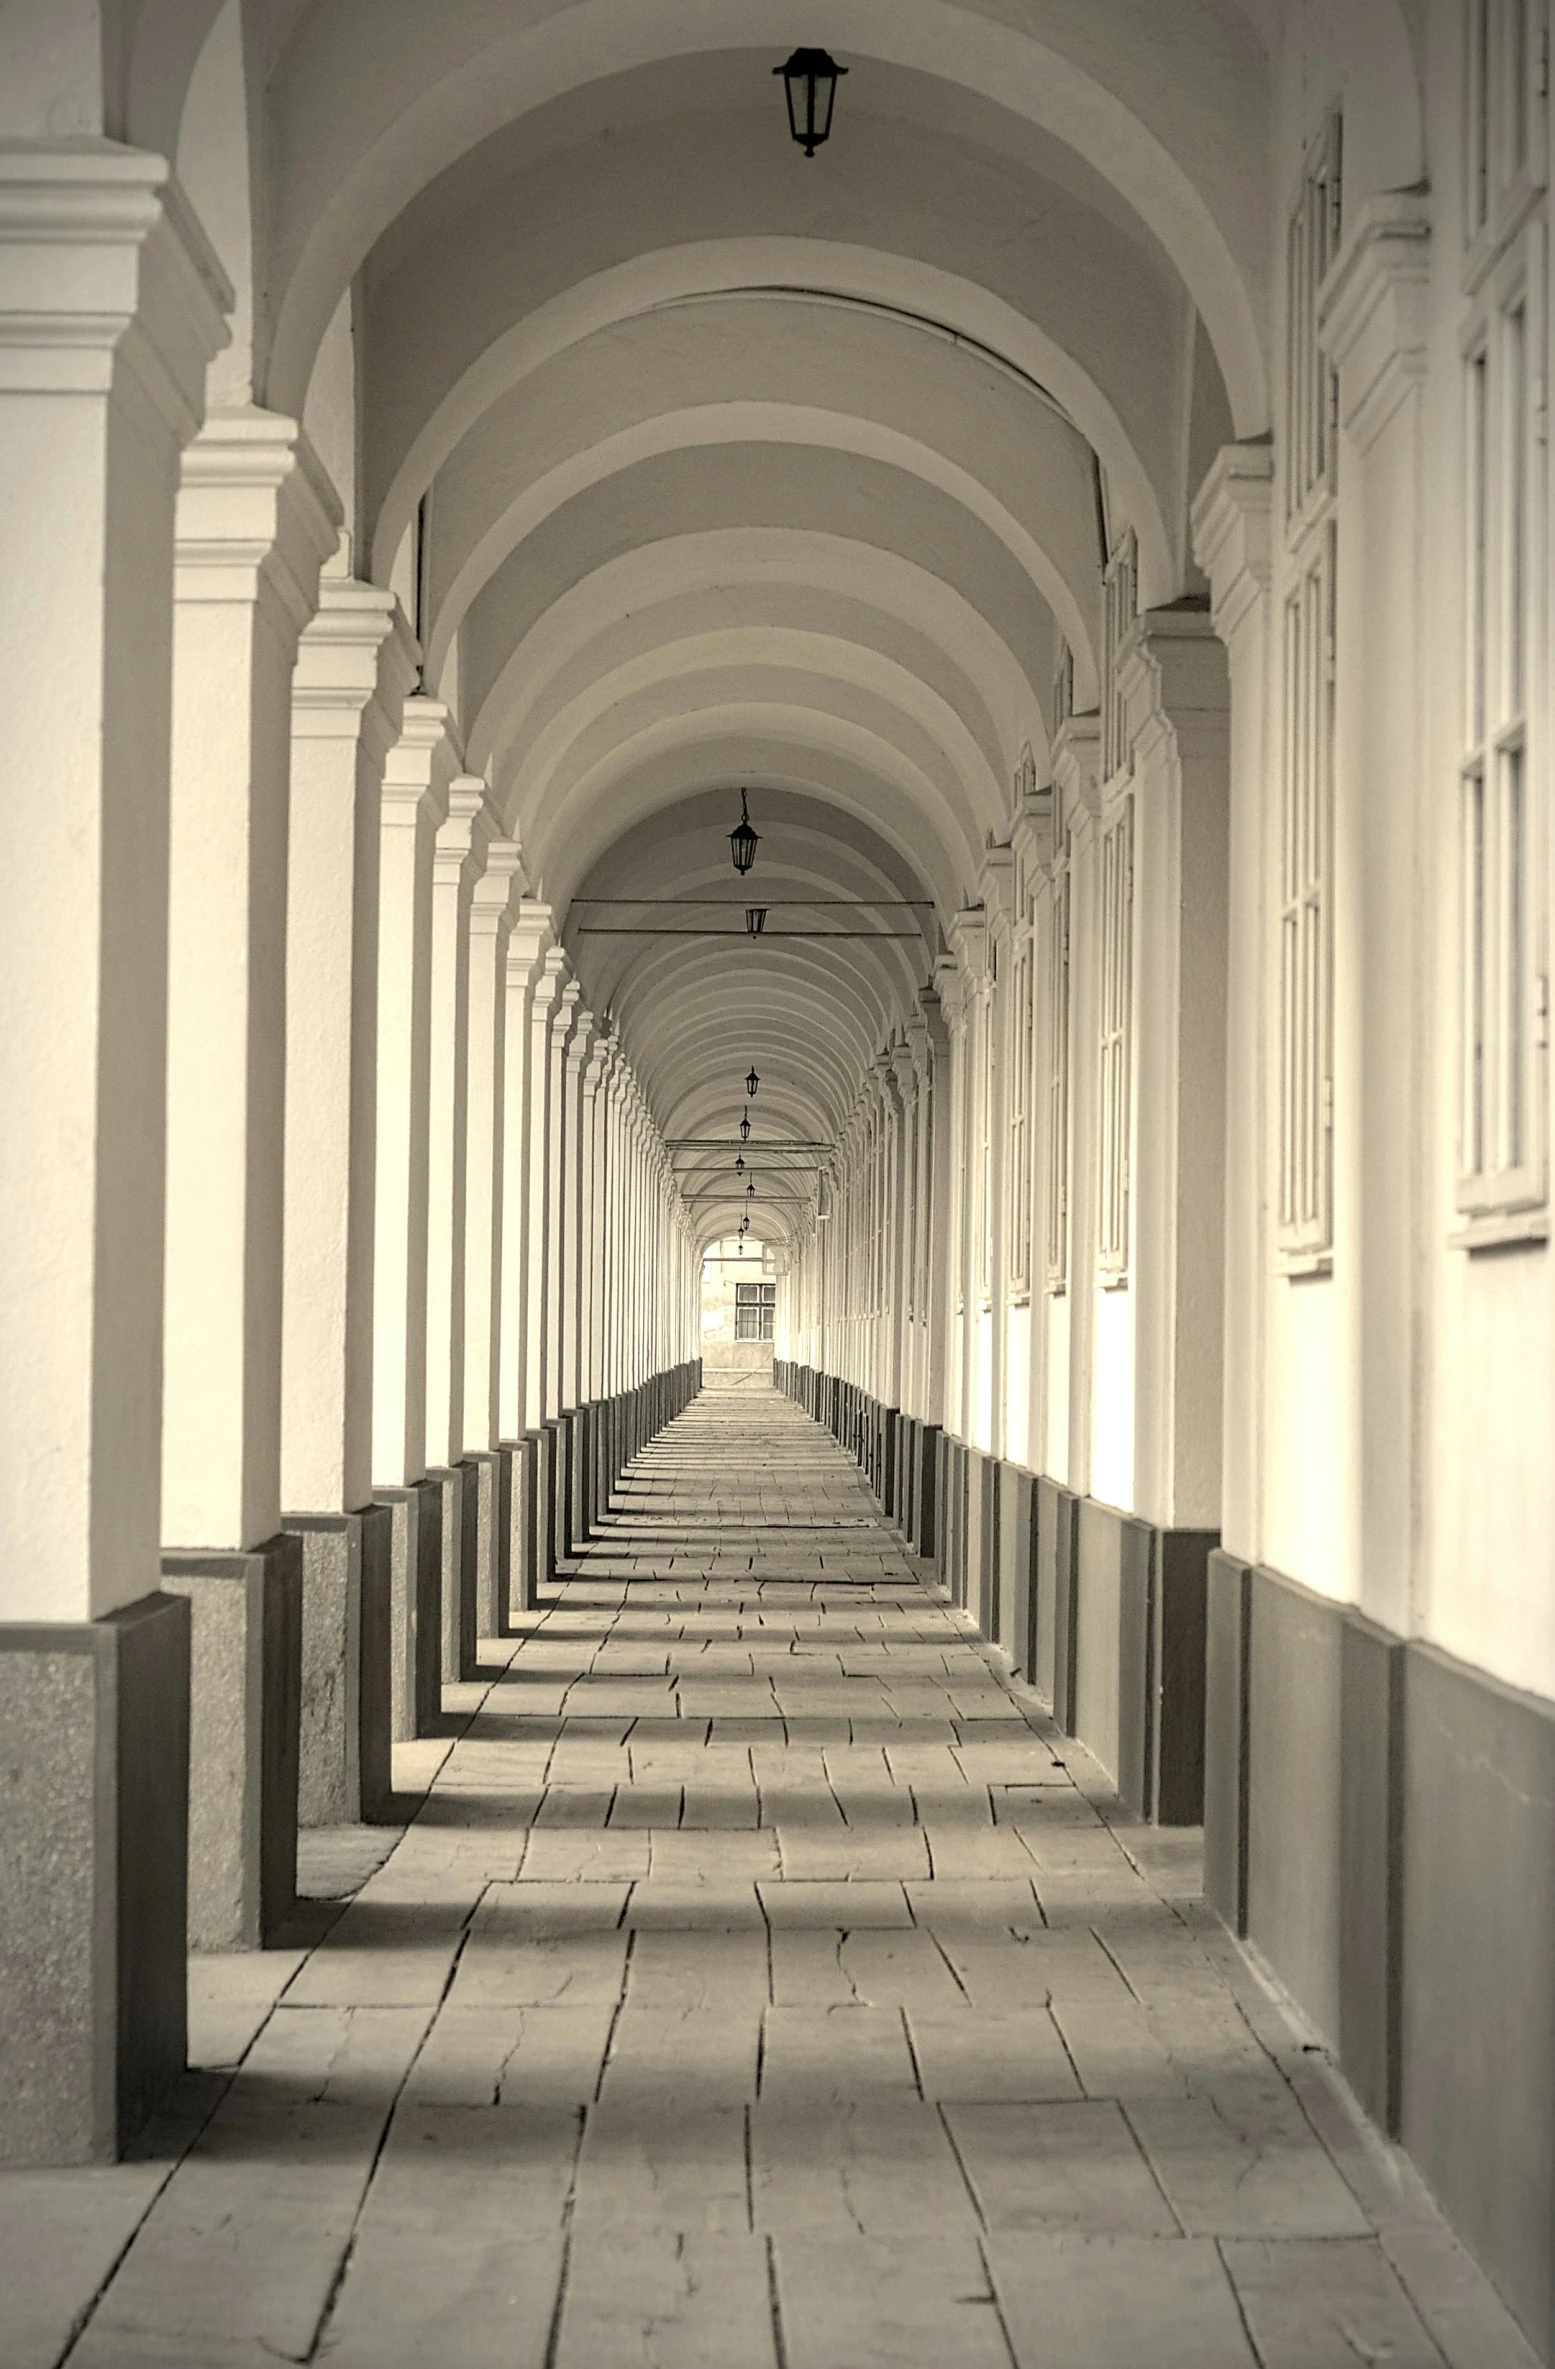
<point>417,779</point>
<point>255,521</point>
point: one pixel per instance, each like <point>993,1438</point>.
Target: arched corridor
<point>765,1980</point>
<point>782,809</point>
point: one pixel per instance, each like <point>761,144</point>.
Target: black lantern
<point>810,87</point>
<point>750,1192</point>
<point>745,1128</point>
<point>751,1082</point>
<point>755,920</point>
<point>743,843</point>
<point>739,1164</point>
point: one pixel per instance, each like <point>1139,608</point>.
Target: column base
<point>244,1736</point>
<point>492,1472</point>
<point>523,1562</point>
<point>460,1540</point>
<point>344,1773</point>
<point>415,1608</point>
<point>94,1853</point>
<point>548,1523</point>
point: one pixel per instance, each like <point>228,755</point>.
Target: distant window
<point>1503,963</point>
<point>1304,911</point>
<point>1116,1016</point>
<point>1057,1229</point>
<point>755,1309</point>
<point>1120,607</point>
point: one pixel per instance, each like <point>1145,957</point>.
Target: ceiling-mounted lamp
<point>810,80</point>
<point>743,843</point>
<point>745,1128</point>
<point>755,920</point>
<point>751,1081</point>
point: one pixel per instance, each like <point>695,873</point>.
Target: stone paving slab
<point>756,1977</point>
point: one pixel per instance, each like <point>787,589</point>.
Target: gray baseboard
<point>1383,1818</point>
<point>344,1766</point>
<point>416,1607</point>
<point>94,1769</point>
<point>457,1484</point>
<point>523,1456</point>
<point>493,1480</point>
<point>244,1738</point>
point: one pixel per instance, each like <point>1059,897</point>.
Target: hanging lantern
<point>750,1192</point>
<point>755,920</point>
<point>745,1128</point>
<point>752,1082</point>
<point>743,843</point>
<point>739,1164</point>
<point>810,86</point>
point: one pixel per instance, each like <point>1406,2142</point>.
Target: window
<point>1058,1081</point>
<point>1120,606</point>
<point>1303,896</point>
<point>1306,921</point>
<point>1063,689</point>
<point>1506,81</point>
<point>1022,1055</point>
<point>1115,1012</point>
<point>1311,389</point>
<point>755,1307</point>
<point>1502,965</point>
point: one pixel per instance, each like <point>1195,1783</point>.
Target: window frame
<point>1115,1041</point>
<point>1059,1106</point>
<point>1501,1188</point>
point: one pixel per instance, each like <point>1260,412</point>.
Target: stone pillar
<point>256,520</point>
<point>463,838</point>
<point>417,778</point>
<point>355,667</point>
<point>1171,673</point>
<point>111,305</point>
<point>493,902</point>
<point>1231,521</point>
<point>1375,323</point>
<point>539,1212</point>
<point>522,1179</point>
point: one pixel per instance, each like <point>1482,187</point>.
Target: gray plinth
<point>244,1737</point>
<point>94,1773</point>
<point>344,1770</point>
<point>415,1608</point>
<point>460,1542</point>
<point>493,1483</point>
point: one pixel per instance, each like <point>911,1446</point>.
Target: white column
<point>541,1200</point>
<point>494,901</point>
<point>573,1168</point>
<point>256,520</point>
<point>564,1014</point>
<point>463,838</point>
<point>355,667</point>
<point>522,1171</point>
<point>1231,521</point>
<point>111,302</point>
<point>415,800</point>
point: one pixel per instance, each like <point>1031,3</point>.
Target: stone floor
<point>761,1980</point>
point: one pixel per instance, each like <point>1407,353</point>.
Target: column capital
<point>1076,770</point>
<point>421,764</point>
<point>104,267</point>
<point>529,942</point>
<point>257,515</point>
<point>466,833</point>
<point>1373,309</point>
<point>497,894</point>
<point>356,665</point>
<point>996,882</point>
<point>1171,673</point>
<point>968,935</point>
<point>1231,522</point>
<point>1031,833</point>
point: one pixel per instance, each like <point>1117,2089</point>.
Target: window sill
<point>1509,1229</point>
<point>1304,1266</point>
<point>1113,1279</point>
